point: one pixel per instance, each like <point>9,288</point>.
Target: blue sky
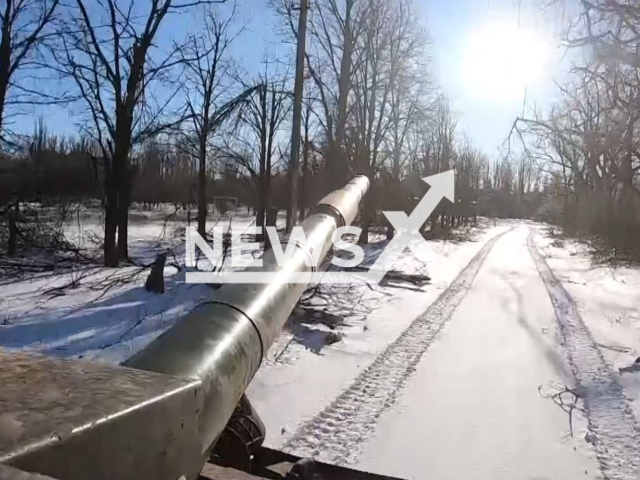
<point>452,25</point>
<point>469,38</point>
<point>456,25</point>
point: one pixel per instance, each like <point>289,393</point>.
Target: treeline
<point>181,122</point>
<point>52,168</point>
<point>504,188</point>
<point>588,145</point>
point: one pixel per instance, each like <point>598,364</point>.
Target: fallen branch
<point>615,348</point>
<point>634,367</point>
<point>568,405</point>
<point>396,276</point>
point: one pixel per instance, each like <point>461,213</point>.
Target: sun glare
<point>501,59</point>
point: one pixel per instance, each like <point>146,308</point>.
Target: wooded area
<point>179,121</point>
<point>587,146</point>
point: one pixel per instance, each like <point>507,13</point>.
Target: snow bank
<point>608,299</point>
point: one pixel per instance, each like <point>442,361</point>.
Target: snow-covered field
<point>459,378</point>
<point>99,313</point>
<point>106,315</point>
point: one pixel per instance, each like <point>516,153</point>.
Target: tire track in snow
<point>608,411</point>
<point>334,435</point>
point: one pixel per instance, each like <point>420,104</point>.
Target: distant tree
<point>254,146</point>
<point>391,74</point>
<point>332,32</point>
<point>110,51</point>
<point>587,144</point>
<point>207,100</point>
<point>24,26</point>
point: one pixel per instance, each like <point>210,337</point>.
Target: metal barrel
<point>222,342</point>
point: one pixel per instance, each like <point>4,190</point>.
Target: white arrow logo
<point>408,228</point>
<point>407,236</point>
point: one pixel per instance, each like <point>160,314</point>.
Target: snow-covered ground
<point>473,408</point>
<point>100,313</point>
<point>608,300</point>
<point>106,315</point>
<point>459,378</point>
<point>290,392</point>
<point>473,377</point>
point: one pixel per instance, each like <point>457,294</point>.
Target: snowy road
<point>440,381</point>
<point>465,391</point>
<point>473,410</point>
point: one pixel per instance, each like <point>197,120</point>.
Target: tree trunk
<point>119,191</point>
<point>3,93</point>
<point>124,200</point>
<point>294,161</point>
<point>263,184</point>
<point>266,199</point>
<point>368,213</point>
<point>110,220</point>
<point>260,211</point>
<point>202,189</point>
<point>333,165</point>
<point>337,174</point>
<point>271,217</point>
<point>12,215</point>
<point>302,205</point>
<point>5,64</point>
<point>263,206</point>
<point>367,219</point>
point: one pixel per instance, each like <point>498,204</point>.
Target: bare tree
<point>307,147</point>
<point>587,145</point>
<point>367,62</point>
<point>336,152</point>
<point>207,99</point>
<point>333,30</point>
<point>109,52</point>
<point>24,26</point>
<point>409,97</point>
<point>469,164</point>
<point>369,123</point>
<point>254,148</point>
<point>442,150</point>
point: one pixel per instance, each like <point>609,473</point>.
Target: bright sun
<point>501,59</point>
